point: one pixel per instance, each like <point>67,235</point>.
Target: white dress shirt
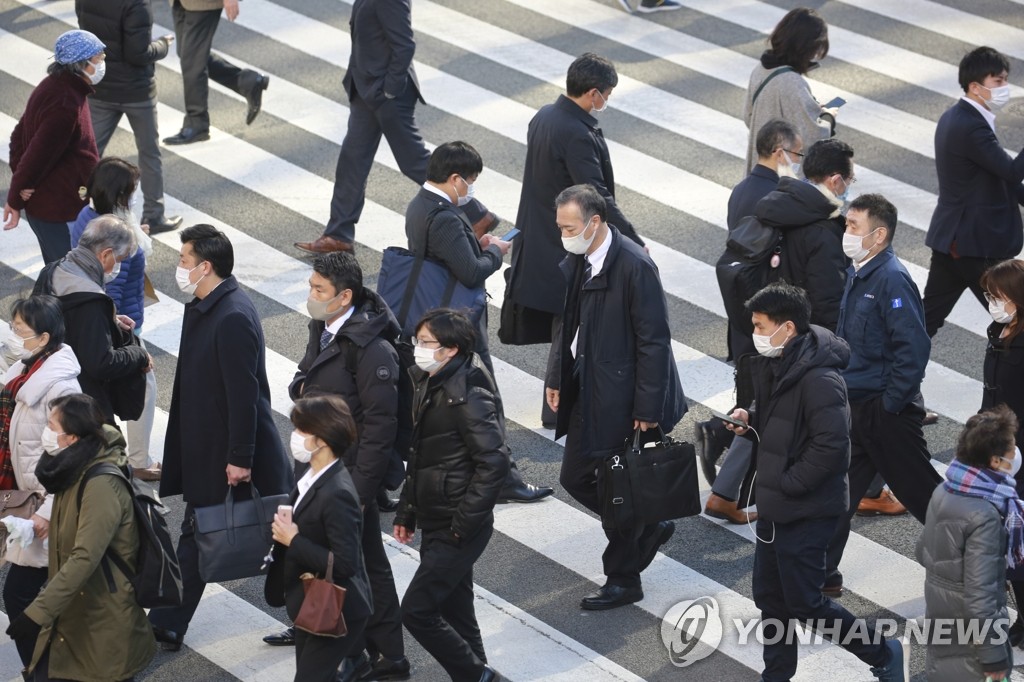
<point>307,481</point>
<point>333,327</point>
<point>990,118</point>
<point>596,261</point>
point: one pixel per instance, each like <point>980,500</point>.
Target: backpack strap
<point>773,74</point>
<point>106,469</point>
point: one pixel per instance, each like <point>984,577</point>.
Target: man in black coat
<point>564,147</point>
<point>220,428</point>
<point>350,353</point>
<point>801,422</point>
<point>100,338</point>
<point>611,371</point>
<point>129,88</point>
<point>977,220</point>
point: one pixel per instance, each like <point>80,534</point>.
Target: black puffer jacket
<point>812,247</point>
<point>458,461</point>
<point>126,28</point>
<point>802,416</point>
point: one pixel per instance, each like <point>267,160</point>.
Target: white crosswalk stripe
<point>877,569</point>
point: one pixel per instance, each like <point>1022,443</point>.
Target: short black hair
<point>589,71</point>
<point>979,64</point>
<point>782,302</point>
<point>987,434</point>
<point>880,211</point>
<point>42,313</point>
<point>342,269</point>
<point>451,328</point>
<point>454,157</point>
<point>210,244</point>
<point>800,38</point>
<point>774,134</point>
<point>828,157</point>
<point>79,415</point>
<point>587,199</point>
<point>111,184</point>
<point>328,417</point>
<point>73,68</point>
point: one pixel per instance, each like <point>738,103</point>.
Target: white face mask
<point>49,441</point>
<point>853,246</point>
<point>298,447</point>
<point>578,244</point>
<point>109,277</point>
<point>604,103</point>
<point>997,309</point>
<point>763,344</point>
<point>1014,463</point>
<point>100,70</point>
<point>789,169</point>
<point>17,345</point>
<point>999,98</point>
<point>181,276</point>
<point>470,193</point>
<point>425,359</point>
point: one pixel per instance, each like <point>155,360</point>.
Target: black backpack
<point>751,260</point>
<point>157,578</point>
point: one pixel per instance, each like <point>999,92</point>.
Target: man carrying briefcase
<point>611,371</point>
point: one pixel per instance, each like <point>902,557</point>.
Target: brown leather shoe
<point>325,244</point>
<point>930,418</point>
<point>486,224</point>
<point>720,508</point>
<point>150,474</point>
<point>885,504</point>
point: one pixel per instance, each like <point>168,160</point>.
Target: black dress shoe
<point>611,597</point>
<point>488,675</point>
<point>354,668</point>
<point>255,98</point>
<point>523,492</point>
<point>710,446</point>
<point>930,418</point>
<point>659,537</point>
<point>284,638</point>
<point>385,503</point>
<point>386,669</point>
<point>188,136</point>
<point>163,224</point>
<point>169,640</point>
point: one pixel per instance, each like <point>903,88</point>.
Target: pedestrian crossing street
<point>677,144</point>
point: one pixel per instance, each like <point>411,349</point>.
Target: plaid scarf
<point>1000,489</point>
<point>7,405</point>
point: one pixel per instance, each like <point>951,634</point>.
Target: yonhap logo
<point>691,631</point>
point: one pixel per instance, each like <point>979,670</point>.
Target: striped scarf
<point>1000,489</point>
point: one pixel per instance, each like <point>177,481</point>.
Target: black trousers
<point>383,633</point>
<point>23,585</point>
<point>317,658</point>
<point>947,279</point>
<point>892,445</point>
<point>788,576</point>
<point>580,476</point>
<point>395,119</point>
<point>438,606</point>
<point>177,618</point>
<point>54,237</point>
<point>194,31</point>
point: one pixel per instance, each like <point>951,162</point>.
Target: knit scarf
<point>998,488</point>
<point>59,472</point>
<point>7,404</point>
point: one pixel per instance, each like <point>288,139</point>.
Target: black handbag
<point>520,325</point>
<point>654,479</point>
<point>232,538</point>
<point>128,393</point>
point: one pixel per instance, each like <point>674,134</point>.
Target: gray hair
<point>74,68</point>
<point>587,199</point>
<point>109,232</point>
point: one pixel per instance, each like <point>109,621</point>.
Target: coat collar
<point>567,105</point>
<point>325,476</point>
<point>764,172</point>
<point>882,257</point>
<point>205,305</point>
<point>571,262</point>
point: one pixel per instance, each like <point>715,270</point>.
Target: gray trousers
<point>734,468</point>
<point>142,119</point>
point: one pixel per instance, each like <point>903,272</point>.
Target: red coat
<point>53,149</point>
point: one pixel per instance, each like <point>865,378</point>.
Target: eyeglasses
<point>992,298</point>
<point>790,151</point>
<point>434,345</point>
<point>18,334</point>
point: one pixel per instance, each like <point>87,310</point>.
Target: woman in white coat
<point>46,370</point>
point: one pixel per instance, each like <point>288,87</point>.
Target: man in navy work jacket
<point>881,319</point>
<point>977,220</point>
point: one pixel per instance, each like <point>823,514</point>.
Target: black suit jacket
<point>750,190</point>
<point>564,147</point>
<point>979,189</point>
<point>220,404</point>
<point>329,520</point>
<point>382,51</point>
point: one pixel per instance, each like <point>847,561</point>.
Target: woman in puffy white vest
<point>45,370</point>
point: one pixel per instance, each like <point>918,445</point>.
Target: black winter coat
<point>802,417</point>
<point>627,370</point>
<point>812,247</point>
<point>220,403</point>
<point>459,460</point>
<point>564,147</point>
<point>126,28</point>
<point>1004,382</point>
<point>744,197</point>
<point>361,365</point>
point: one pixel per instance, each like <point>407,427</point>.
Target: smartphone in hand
<point>285,512</point>
<point>728,420</point>
<point>834,103</point>
<point>510,235</point>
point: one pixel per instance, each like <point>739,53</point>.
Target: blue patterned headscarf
<point>77,46</point>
